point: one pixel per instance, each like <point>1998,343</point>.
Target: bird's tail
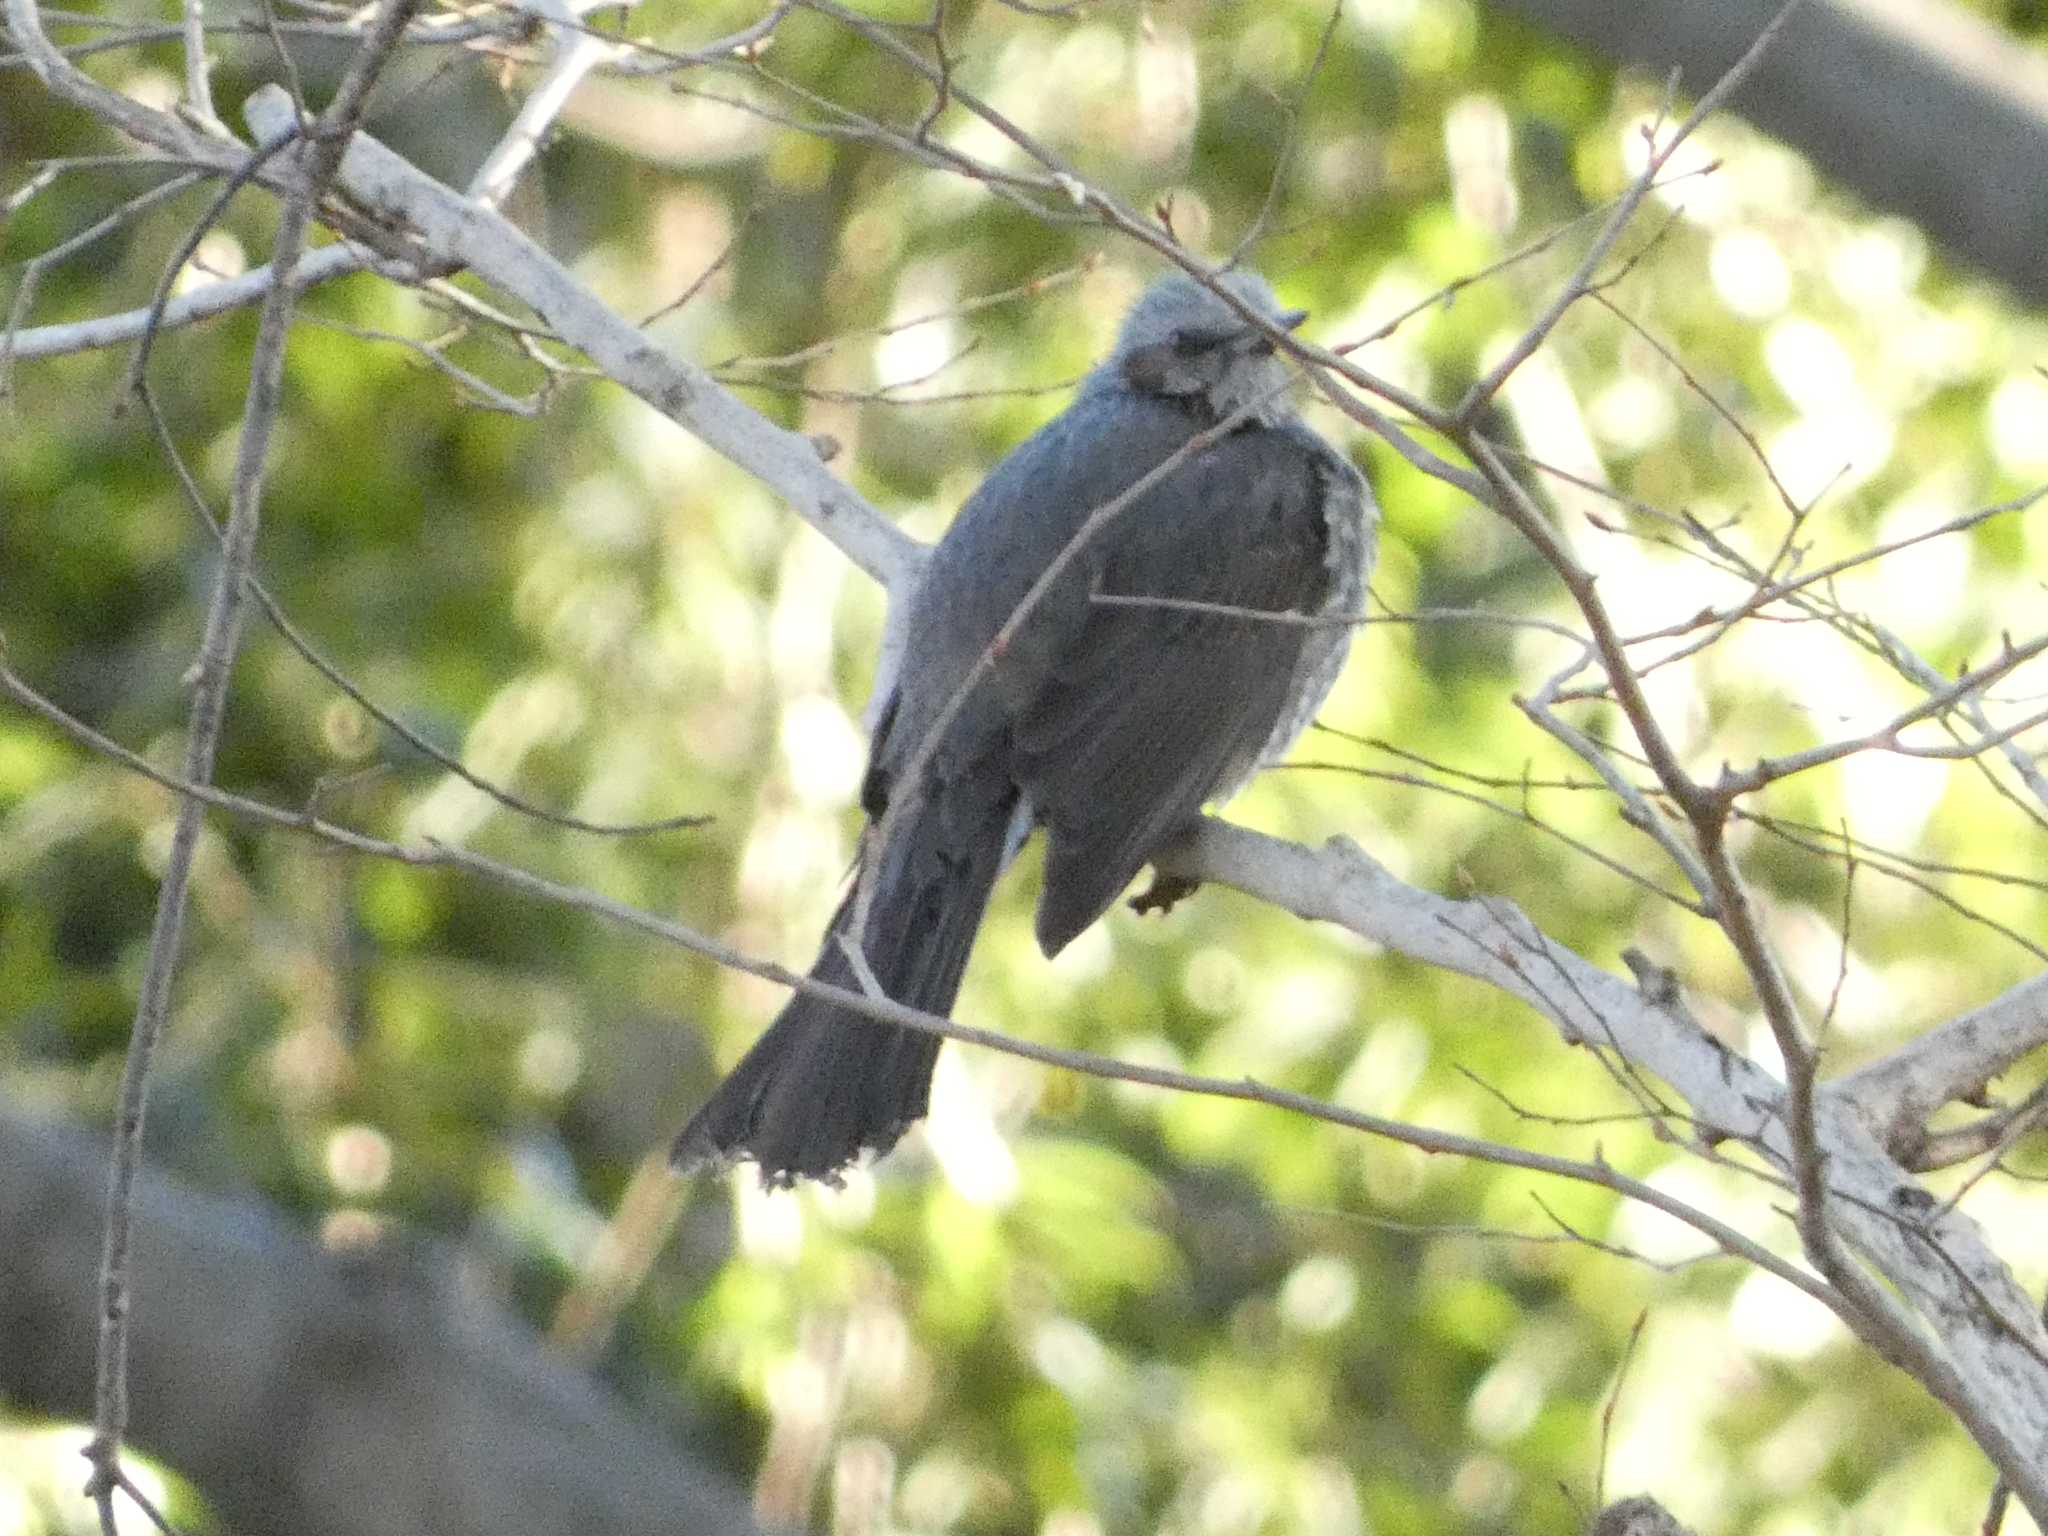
<point>824,1081</point>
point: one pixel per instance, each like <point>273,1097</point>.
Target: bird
<point>1196,529</point>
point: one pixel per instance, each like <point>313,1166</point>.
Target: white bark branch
<point>1897,1093</point>
<point>1979,1318</point>
<point>454,228</point>
<point>217,298</point>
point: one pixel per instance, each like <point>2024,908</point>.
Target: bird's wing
<point>1145,713</point>
<point>1351,517</point>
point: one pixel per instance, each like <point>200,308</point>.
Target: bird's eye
<point>1189,343</point>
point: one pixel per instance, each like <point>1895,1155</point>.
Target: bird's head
<point>1182,342</point>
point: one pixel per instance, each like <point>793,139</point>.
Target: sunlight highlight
<point>823,752</point>
<point>1319,1295</point>
<point>769,1223</point>
<point>358,1160</point>
<point>1169,93</point>
<point>2017,422</point>
<point>963,1138</point>
<point>1749,274</point>
<point>1071,1357</point>
<point>1780,1322</point>
<point>1479,144</point>
<point>920,350</point>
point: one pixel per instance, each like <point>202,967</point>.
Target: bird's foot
<point>1164,893</point>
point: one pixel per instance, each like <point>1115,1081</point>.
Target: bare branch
<point>204,303</point>
<point>32,270</point>
<point>1887,736</point>
<point>1624,213</point>
<point>211,672</point>
<point>197,794</point>
<point>1953,1061</point>
<point>457,230</point>
<point>315,658</point>
<point>198,69</point>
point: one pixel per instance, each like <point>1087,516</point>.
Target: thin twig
<point>320,662</point>
<point>1290,141</point>
<point>1628,1355</point>
<point>211,674</point>
<point>883,1010</point>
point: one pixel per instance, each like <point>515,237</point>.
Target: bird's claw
<point>1164,893</point>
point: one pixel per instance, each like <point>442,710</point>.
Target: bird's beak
<point>1287,320</point>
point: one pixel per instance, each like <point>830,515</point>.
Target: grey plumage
<point>1108,726</point>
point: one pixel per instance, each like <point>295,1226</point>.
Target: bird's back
<point>1117,721</point>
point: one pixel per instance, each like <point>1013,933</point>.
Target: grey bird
<point>1108,725</point>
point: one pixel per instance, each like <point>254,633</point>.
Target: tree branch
<point>1927,110</point>
<point>327,1390</point>
<point>1899,1092</point>
<point>1422,938</point>
<point>211,673</point>
<point>456,229</point>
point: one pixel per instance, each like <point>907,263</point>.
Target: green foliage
<point>1070,1307</point>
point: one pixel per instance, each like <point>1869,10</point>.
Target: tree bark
<point>320,1392</point>
<point>1918,106</point>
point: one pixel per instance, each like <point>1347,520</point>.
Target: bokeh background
<point>1061,1307</point>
